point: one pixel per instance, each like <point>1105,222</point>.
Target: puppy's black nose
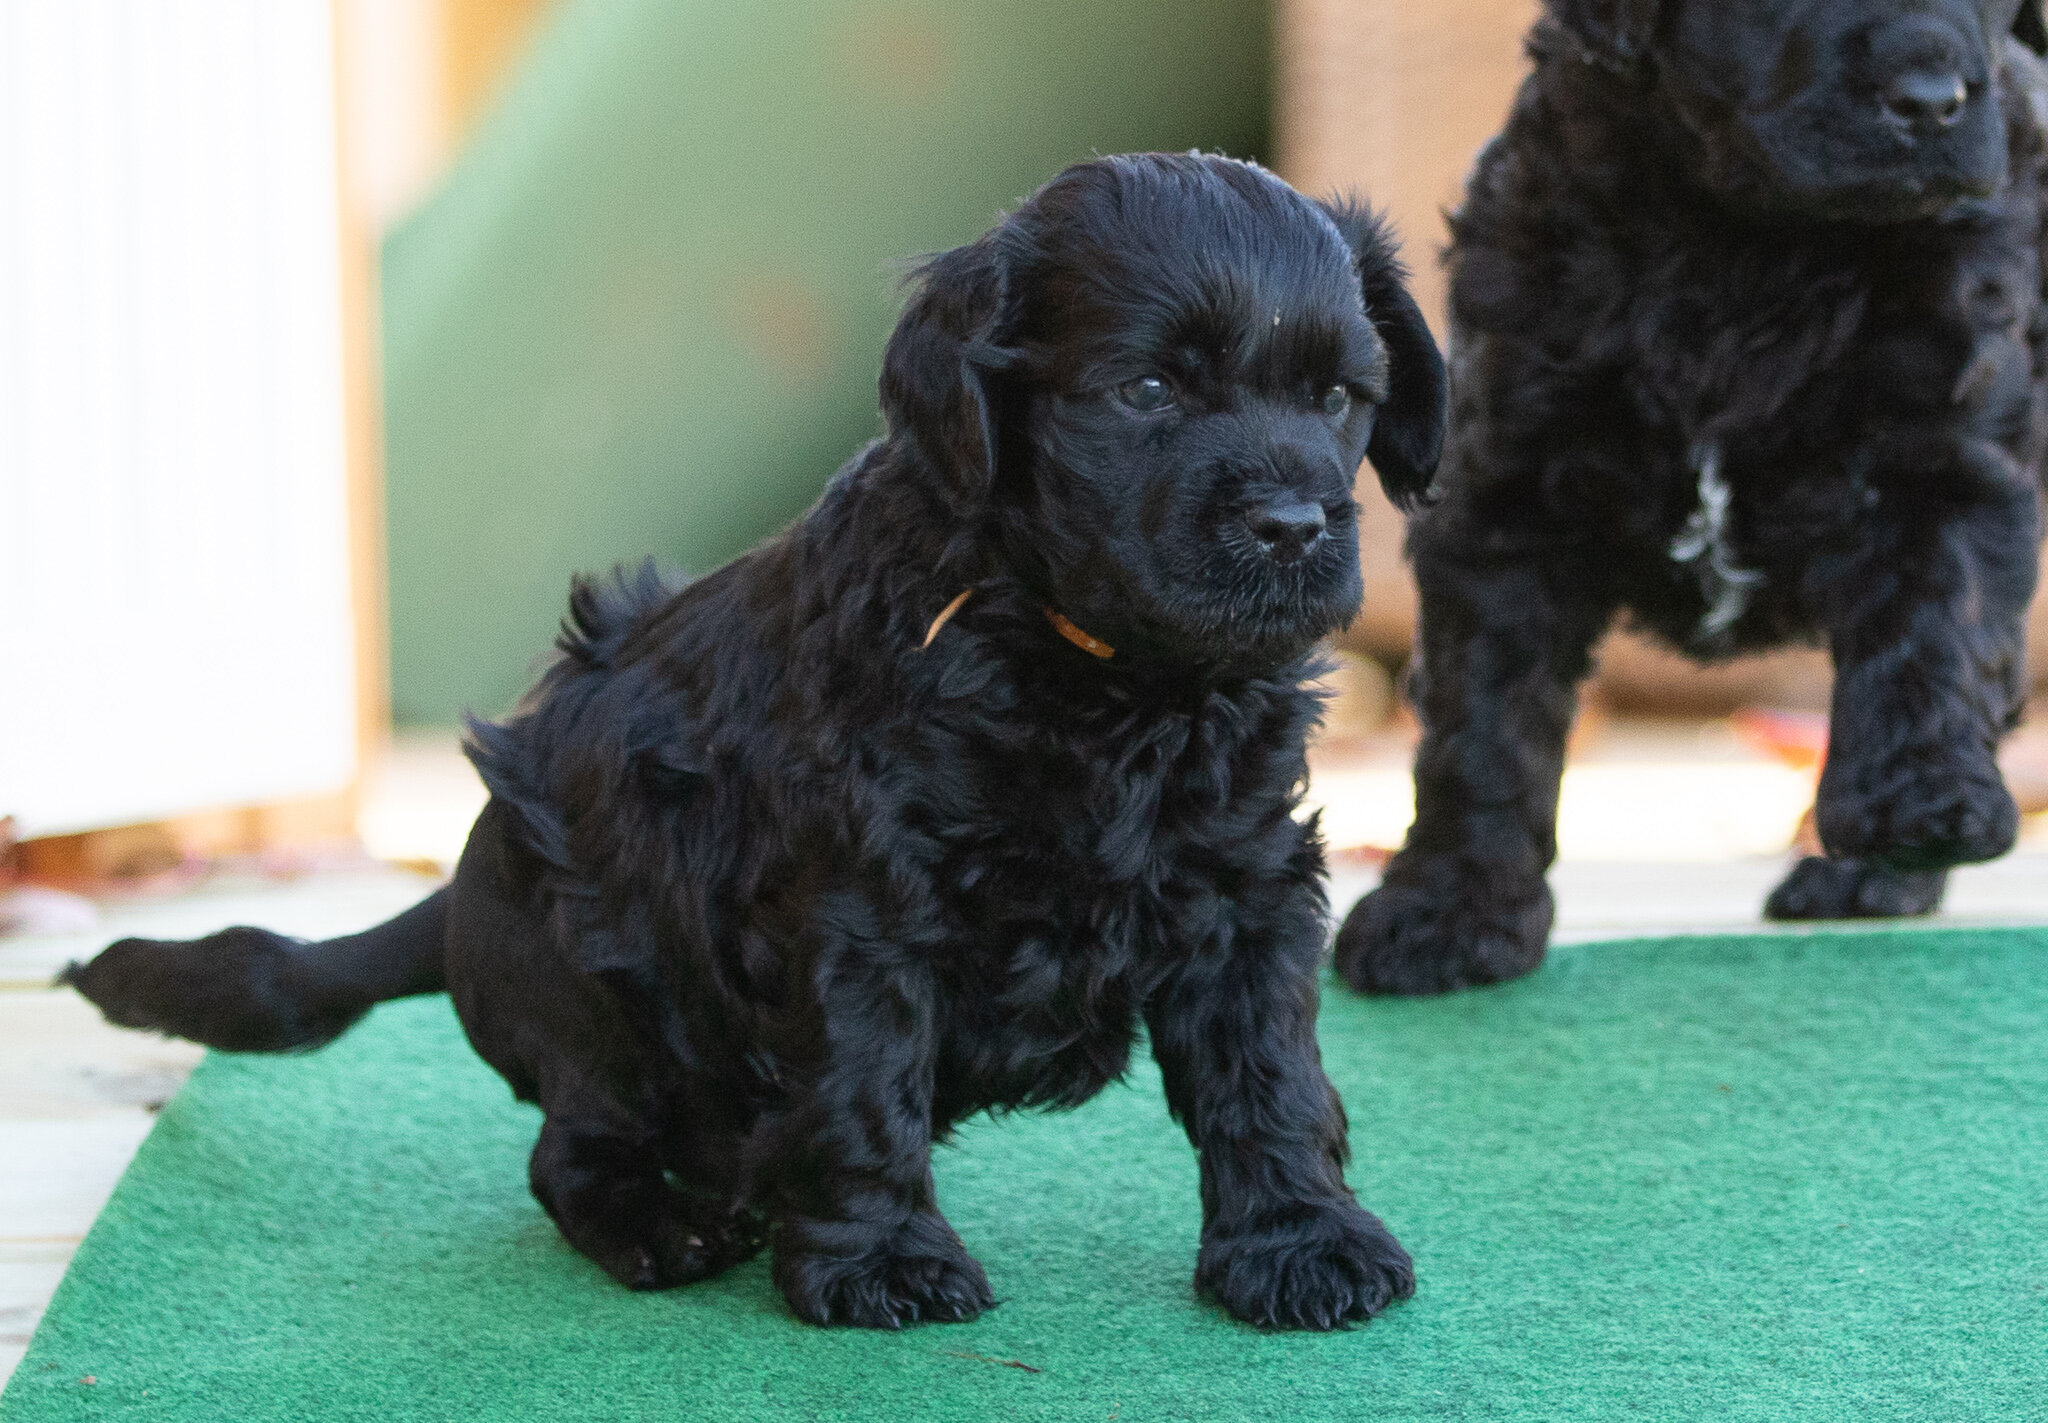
<point>1286,530</point>
<point>1927,100</point>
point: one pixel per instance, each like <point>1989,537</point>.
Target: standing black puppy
<point>926,805</point>
<point>1748,342</point>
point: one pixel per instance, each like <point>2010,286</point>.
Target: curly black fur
<point>1752,353</point>
<point>770,893</point>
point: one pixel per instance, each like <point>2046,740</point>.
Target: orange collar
<point>1093,646</point>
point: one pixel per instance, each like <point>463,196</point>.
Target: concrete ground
<point>1664,828</point>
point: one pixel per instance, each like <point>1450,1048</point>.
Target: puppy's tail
<point>249,990</point>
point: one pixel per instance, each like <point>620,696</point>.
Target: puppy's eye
<point>1147,393</point>
<point>1336,400</point>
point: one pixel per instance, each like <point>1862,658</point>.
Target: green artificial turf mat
<point>1794,1177</point>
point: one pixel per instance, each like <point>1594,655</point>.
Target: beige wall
<point>1393,99</point>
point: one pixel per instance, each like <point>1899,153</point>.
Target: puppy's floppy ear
<point>1616,32</point>
<point>1408,436</point>
<point>2030,28</point>
<point>935,369</point>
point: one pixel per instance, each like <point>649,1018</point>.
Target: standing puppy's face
<point>1867,110</point>
<point>1194,362</point>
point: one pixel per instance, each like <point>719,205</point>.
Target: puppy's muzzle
<point>1287,530</point>
<point>1923,88</point>
<point>1926,101</point>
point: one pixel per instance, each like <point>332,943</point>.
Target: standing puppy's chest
<point>1737,373</point>
<point>1768,388</point>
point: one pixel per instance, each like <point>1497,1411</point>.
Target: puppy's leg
<point>570,1042</point>
<point>1929,646</point>
<point>1823,888</point>
<point>1504,648</point>
<point>602,1182</point>
<point>1284,1245</point>
<point>858,1235</point>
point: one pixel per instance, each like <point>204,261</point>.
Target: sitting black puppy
<point>925,805</point>
<point>1747,342</point>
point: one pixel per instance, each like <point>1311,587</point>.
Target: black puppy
<point>926,805</point>
<point>1747,343</point>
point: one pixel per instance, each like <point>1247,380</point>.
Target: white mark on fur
<point>1703,543</point>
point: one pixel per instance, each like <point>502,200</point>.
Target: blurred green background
<point>645,312</point>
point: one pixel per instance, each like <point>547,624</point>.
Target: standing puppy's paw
<point>1948,811</point>
<point>1316,1267</point>
<point>1821,888</point>
<point>858,1274</point>
<point>1429,930</point>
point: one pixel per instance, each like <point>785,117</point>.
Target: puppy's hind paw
<point>1318,1267</point>
<point>667,1248</point>
<point>1820,888</point>
<point>1429,932</point>
<point>919,1273</point>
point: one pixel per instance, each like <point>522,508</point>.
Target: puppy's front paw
<point>1941,811</point>
<point>1317,1267</point>
<point>1430,929</point>
<point>851,1273</point>
<point>1820,888</point>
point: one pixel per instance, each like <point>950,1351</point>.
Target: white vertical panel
<point>175,624</point>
